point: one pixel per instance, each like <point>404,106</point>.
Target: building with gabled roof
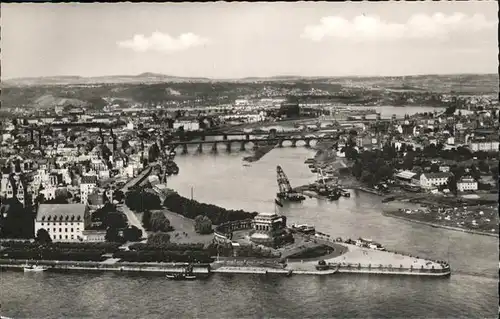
<point>431,180</point>
<point>63,222</point>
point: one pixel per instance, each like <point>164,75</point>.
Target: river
<point>471,291</point>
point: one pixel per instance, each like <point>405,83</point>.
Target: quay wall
<point>117,267</point>
<point>386,270</point>
<point>470,231</point>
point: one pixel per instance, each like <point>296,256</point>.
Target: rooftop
<point>437,175</point>
<point>61,212</point>
<point>89,179</point>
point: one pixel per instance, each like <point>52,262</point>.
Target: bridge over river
<point>276,140</point>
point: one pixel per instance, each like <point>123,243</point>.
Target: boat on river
<point>181,276</point>
<point>34,268</point>
<point>335,195</point>
<point>305,229</point>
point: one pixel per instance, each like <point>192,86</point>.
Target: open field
<point>183,226</point>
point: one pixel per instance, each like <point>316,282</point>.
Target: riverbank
<point>298,268</point>
<point>435,225</point>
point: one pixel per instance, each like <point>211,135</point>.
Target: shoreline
<point>435,225</point>
<point>207,270</point>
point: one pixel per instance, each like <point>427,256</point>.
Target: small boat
<point>334,196</point>
<point>305,229</point>
<point>34,268</point>
<point>246,165</point>
<point>345,193</point>
<point>310,161</point>
<point>181,276</point>
<point>292,197</point>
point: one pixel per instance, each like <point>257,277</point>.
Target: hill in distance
<point>147,77</point>
<point>448,82</point>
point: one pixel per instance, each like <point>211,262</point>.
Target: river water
<point>470,292</point>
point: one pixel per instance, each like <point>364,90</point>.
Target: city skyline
<point>238,40</point>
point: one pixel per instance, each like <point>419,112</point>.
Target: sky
<point>234,40</point>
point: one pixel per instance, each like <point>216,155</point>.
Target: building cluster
<point>66,173</point>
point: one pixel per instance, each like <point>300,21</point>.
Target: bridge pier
<point>203,137</point>
<point>294,143</point>
<point>200,148</point>
<point>280,143</point>
<point>214,148</point>
<point>224,137</point>
<point>308,143</point>
<point>242,146</point>
<point>184,149</point>
<point>247,137</point>
<point>228,147</point>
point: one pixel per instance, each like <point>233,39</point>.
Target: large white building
<point>486,145</point>
<point>467,183</point>
<point>431,180</point>
<point>63,222</point>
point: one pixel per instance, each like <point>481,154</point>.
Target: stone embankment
<point>103,266</point>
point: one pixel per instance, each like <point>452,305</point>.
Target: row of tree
<point>141,200</point>
<point>54,254</point>
<point>163,244</point>
<point>191,209</point>
<point>164,256</point>
<point>131,233</point>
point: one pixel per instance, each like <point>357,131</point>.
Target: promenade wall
<point>116,267</point>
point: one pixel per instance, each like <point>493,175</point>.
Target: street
<point>132,219</point>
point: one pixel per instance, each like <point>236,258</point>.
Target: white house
<point>188,125</point>
<point>467,183</point>
<point>431,180</point>
<point>94,235</point>
<point>63,222</point>
<point>87,185</point>
<point>484,145</point>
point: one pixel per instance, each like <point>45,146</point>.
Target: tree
<point>112,235</point>
<point>159,239</point>
<point>115,220</point>
<point>119,196</point>
<point>202,225</point>
<point>142,200</point>
<point>42,236</point>
<point>159,223</point>
<point>452,184</point>
<point>434,168</point>
<point>132,233</point>
<point>146,219</point>
<point>153,152</point>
